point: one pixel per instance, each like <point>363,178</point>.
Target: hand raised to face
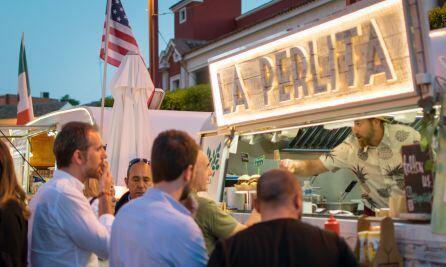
<point>105,179</point>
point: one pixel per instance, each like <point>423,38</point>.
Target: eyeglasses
<point>137,160</point>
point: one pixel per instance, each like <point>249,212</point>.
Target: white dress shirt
<point>63,229</point>
<point>378,169</point>
<point>156,230</point>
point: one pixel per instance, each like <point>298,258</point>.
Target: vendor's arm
<point>304,167</point>
<point>339,157</point>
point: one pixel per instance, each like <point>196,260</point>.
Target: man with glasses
<point>63,229</point>
<point>138,180</point>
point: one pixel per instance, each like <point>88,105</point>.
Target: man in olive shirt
<point>212,220</point>
<point>281,239</point>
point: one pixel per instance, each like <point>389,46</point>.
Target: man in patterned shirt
<point>372,152</point>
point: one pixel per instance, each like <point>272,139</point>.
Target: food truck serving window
<point>359,56</point>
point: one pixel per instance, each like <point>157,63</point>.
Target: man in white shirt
<point>373,153</point>
<point>63,230</point>
<point>155,229</point>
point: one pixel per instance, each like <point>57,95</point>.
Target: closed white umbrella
<point>128,133</point>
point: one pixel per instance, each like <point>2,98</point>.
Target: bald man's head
<point>278,188</point>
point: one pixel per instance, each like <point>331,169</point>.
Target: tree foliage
<point>195,98</point>
<point>67,98</point>
<point>437,17</point>
<point>108,102</point>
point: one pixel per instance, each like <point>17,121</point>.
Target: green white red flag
<point>25,112</point>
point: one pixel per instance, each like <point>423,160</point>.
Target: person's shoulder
<point>347,145</point>
<point>254,229</point>
<point>298,227</point>
<point>317,235</point>
<point>12,206</point>
<point>399,127</point>
<point>125,197</point>
<point>59,186</point>
<point>49,190</point>
<point>204,200</point>
<point>313,229</point>
<point>206,204</point>
<point>403,133</point>
<point>128,208</point>
<point>123,200</point>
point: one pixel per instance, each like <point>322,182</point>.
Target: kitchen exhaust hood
<point>318,139</point>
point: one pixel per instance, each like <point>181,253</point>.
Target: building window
<point>174,83</point>
<point>182,15</point>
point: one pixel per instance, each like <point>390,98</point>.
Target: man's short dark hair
<point>276,186</point>
<point>172,152</point>
<point>74,135</point>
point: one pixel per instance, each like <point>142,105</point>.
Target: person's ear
<point>187,173</point>
<point>256,203</point>
<point>78,157</point>
<point>376,122</point>
<point>297,203</point>
<point>126,180</point>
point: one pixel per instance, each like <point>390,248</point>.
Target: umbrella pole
<point>104,79</point>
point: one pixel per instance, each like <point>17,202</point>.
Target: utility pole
<point>153,41</point>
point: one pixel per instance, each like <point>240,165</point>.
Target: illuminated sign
<point>355,57</point>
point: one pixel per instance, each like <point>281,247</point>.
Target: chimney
<point>44,94</point>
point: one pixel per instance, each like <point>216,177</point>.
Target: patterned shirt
<point>378,169</point>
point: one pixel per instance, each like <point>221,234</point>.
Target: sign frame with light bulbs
<point>348,62</point>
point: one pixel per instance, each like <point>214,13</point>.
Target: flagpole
<point>153,40</point>
<point>104,78</point>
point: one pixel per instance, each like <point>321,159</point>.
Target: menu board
<point>418,182</point>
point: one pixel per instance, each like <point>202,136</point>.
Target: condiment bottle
<point>307,191</point>
<point>332,225</point>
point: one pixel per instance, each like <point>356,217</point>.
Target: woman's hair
<point>9,187</point>
<point>91,188</point>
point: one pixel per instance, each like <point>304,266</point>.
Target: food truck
<point>296,96</point>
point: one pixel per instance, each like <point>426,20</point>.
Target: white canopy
<point>131,88</point>
<point>156,122</point>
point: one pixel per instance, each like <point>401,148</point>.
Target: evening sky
<point>62,40</point>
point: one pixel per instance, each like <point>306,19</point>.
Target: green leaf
<point>424,143</point>
<point>429,166</point>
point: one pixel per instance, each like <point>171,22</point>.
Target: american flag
<point>120,39</point>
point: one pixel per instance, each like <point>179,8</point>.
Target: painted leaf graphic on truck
<point>214,158</point>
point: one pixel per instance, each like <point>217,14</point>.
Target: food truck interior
<point>31,148</point>
<point>259,152</point>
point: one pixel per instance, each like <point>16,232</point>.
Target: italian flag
<point>25,111</point>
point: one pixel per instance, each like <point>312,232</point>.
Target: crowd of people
<point>74,219</point>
